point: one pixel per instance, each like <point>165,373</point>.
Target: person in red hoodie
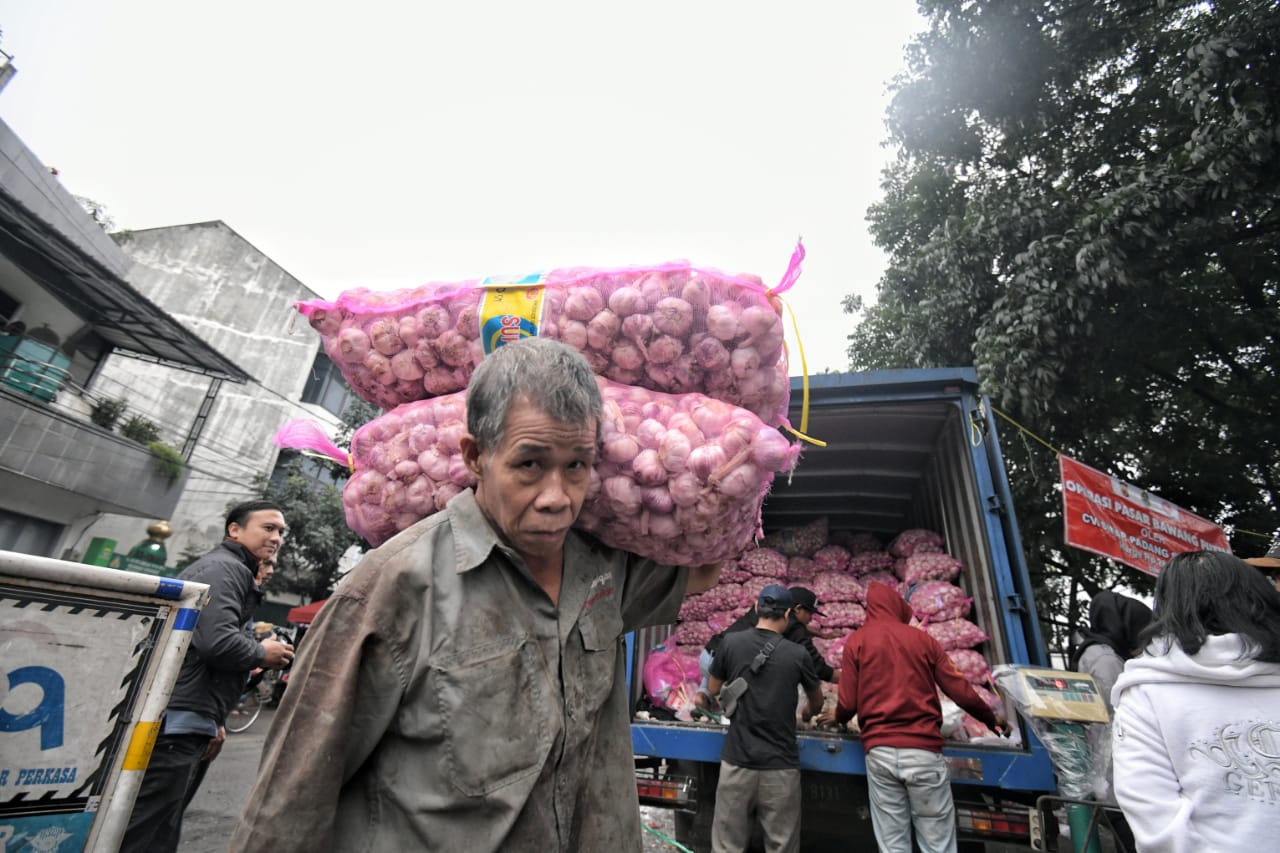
<point>889,679</point>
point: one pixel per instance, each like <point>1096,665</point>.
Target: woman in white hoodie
<point>1197,723</point>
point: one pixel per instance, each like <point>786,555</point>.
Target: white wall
<point>237,299</point>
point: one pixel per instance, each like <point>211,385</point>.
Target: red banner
<point>1121,521</point>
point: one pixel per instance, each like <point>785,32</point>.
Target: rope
<point>1055,450</point>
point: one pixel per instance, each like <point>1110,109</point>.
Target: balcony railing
<point>47,445</point>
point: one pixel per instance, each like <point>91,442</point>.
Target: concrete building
<point>66,308</point>
<point>223,290</point>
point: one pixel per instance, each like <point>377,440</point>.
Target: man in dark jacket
<point>797,631</point>
<point>890,675</point>
<point>760,762</point>
<point>213,674</point>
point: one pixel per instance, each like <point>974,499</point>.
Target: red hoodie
<point>890,676</point>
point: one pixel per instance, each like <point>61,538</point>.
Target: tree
<point>1085,204</point>
<point>318,532</point>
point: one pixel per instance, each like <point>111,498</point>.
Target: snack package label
<point>510,310</point>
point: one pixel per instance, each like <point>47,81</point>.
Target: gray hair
<point>554,377</point>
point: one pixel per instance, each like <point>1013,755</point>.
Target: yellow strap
<point>138,754</point>
<point>1056,451</point>
<point>804,371</point>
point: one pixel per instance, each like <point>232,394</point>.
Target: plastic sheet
<point>1080,751</point>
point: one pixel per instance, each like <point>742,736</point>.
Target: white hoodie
<point>1197,749</point>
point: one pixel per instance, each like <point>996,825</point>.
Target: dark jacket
<point>221,652</point>
<point>890,677</point>
<point>796,631</point>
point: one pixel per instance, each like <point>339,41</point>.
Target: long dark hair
<point>1210,592</point>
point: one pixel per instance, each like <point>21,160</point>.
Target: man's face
<point>532,486</point>
<point>262,533</point>
<point>803,614</point>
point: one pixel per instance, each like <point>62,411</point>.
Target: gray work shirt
<point>441,702</point>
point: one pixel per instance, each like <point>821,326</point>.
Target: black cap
<point>806,598</point>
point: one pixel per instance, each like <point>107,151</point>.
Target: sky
<point>385,145</point>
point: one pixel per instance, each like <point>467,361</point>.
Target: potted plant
<point>106,412</point>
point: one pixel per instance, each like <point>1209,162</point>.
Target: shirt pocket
<point>493,701</point>
<point>600,632</point>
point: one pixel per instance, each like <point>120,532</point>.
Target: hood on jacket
<point>1114,620</point>
<point>1223,659</point>
<point>883,602</point>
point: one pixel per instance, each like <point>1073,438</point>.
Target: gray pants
<point>911,787</point>
<point>774,797</point>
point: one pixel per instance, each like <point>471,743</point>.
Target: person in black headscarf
<point>1115,621</point>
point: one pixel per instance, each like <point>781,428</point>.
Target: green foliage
<point>1084,206</point>
<point>140,429</point>
<point>106,412</point>
<point>98,212</point>
<point>167,461</point>
<point>318,532</point>
<point>357,413</point>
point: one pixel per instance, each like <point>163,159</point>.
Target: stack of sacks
<point>671,328</point>
<point>692,369</point>
<point>856,543</point>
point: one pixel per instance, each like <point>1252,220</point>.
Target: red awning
<point>306,613</point>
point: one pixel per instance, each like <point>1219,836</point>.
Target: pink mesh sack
<point>681,479</point>
<point>927,566</point>
<point>692,635</point>
<point>865,562</point>
<point>763,562</point>
<point>956,634</point>
<point>671,677</point>
<point>857,543</point>
<point>909,542</point>
<point>972,665</point>
<point>842,615</point>
<point>801,569</point>
<point>937,601</point>
<point>838,586</point>
<point>832,558</point>
<point>672,328</point>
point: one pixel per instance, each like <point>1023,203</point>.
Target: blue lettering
<point>48,715</point>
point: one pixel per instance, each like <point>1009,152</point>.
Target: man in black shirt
<point>805,607</point>
<point>760,762</point>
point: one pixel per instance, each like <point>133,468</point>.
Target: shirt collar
<point>473,536</point>
<point>242,554</point>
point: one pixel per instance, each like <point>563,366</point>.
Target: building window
<point>325,386</point>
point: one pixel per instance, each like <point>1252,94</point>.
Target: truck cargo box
<point>904,449</point>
